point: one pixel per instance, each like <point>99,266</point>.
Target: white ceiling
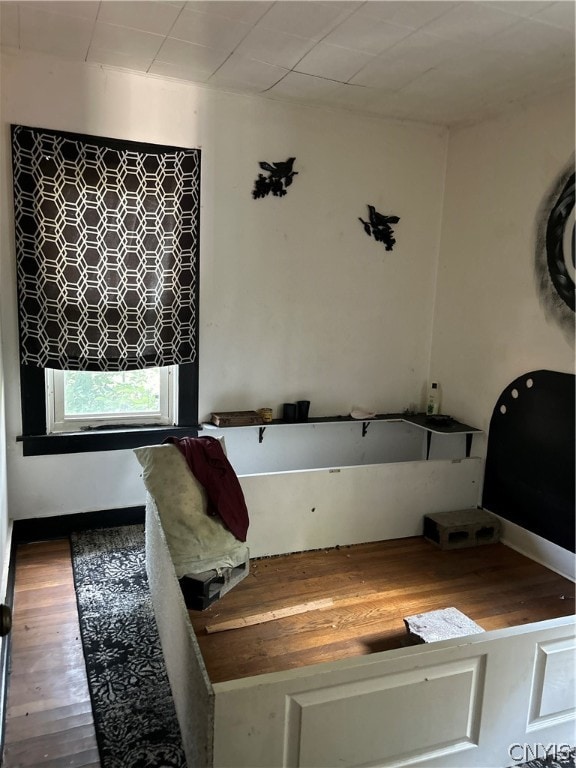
<point>441,62</point>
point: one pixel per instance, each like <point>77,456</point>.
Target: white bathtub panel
<point>294,511</point>
<point>460,703</point>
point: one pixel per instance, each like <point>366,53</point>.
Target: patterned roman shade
<point>107,251</point>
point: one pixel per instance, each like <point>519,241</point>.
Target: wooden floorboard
<point>374,586</point>
<point>49,721</point>
<point>50,724</point>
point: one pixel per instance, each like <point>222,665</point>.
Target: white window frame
<point>57,421</point>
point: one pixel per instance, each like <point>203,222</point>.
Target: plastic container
<point>433,404</point>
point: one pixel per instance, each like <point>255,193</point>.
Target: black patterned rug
<point>563,757</point>
<point>134,714</point>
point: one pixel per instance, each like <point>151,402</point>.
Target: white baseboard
<point>546,553</point>
<point>6,562</point>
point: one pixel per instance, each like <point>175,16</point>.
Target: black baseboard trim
<point>6,646</point>
<point>61,526</point>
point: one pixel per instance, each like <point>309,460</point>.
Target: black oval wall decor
<point>554,267</point>
<point>560,244</point>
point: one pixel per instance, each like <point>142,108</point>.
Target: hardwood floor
<point>49,723</point>
<point>373,586</point>
<point>49,717</point>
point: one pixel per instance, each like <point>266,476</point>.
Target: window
<point>38,441</point>
<point>83,400</point>
<point>107,257</point>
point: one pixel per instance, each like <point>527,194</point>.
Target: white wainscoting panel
<point>460,703</point>
<point>553,696</point>
<point>356,723</point>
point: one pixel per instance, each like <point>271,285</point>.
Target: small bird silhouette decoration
<point>280,176</point>
<point>379,227</point>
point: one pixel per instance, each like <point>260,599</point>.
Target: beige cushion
<point>197,542</point>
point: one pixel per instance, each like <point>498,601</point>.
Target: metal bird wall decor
<point>279,177</point>
<point>379,227</point>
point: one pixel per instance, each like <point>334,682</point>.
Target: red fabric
<point>209,465</point>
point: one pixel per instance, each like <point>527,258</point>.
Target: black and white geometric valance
<point>107,236</point>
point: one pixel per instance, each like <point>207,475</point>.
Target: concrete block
<point>443,624</point>
<point>200,590</point>
<point>461,528</point>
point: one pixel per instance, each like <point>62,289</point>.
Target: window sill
<point>100,440</point>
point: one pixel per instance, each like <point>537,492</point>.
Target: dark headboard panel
<point>529,475</point>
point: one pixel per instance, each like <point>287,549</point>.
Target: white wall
<point>4,524</point>
<point>490,326</point>
<point>296,301</point>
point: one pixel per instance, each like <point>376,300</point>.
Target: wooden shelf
<point>451,428</point>
<point>419,420</point>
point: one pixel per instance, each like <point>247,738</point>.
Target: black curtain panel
<point>107,236</point>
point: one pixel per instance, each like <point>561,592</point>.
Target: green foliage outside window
<point>96,392</point>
